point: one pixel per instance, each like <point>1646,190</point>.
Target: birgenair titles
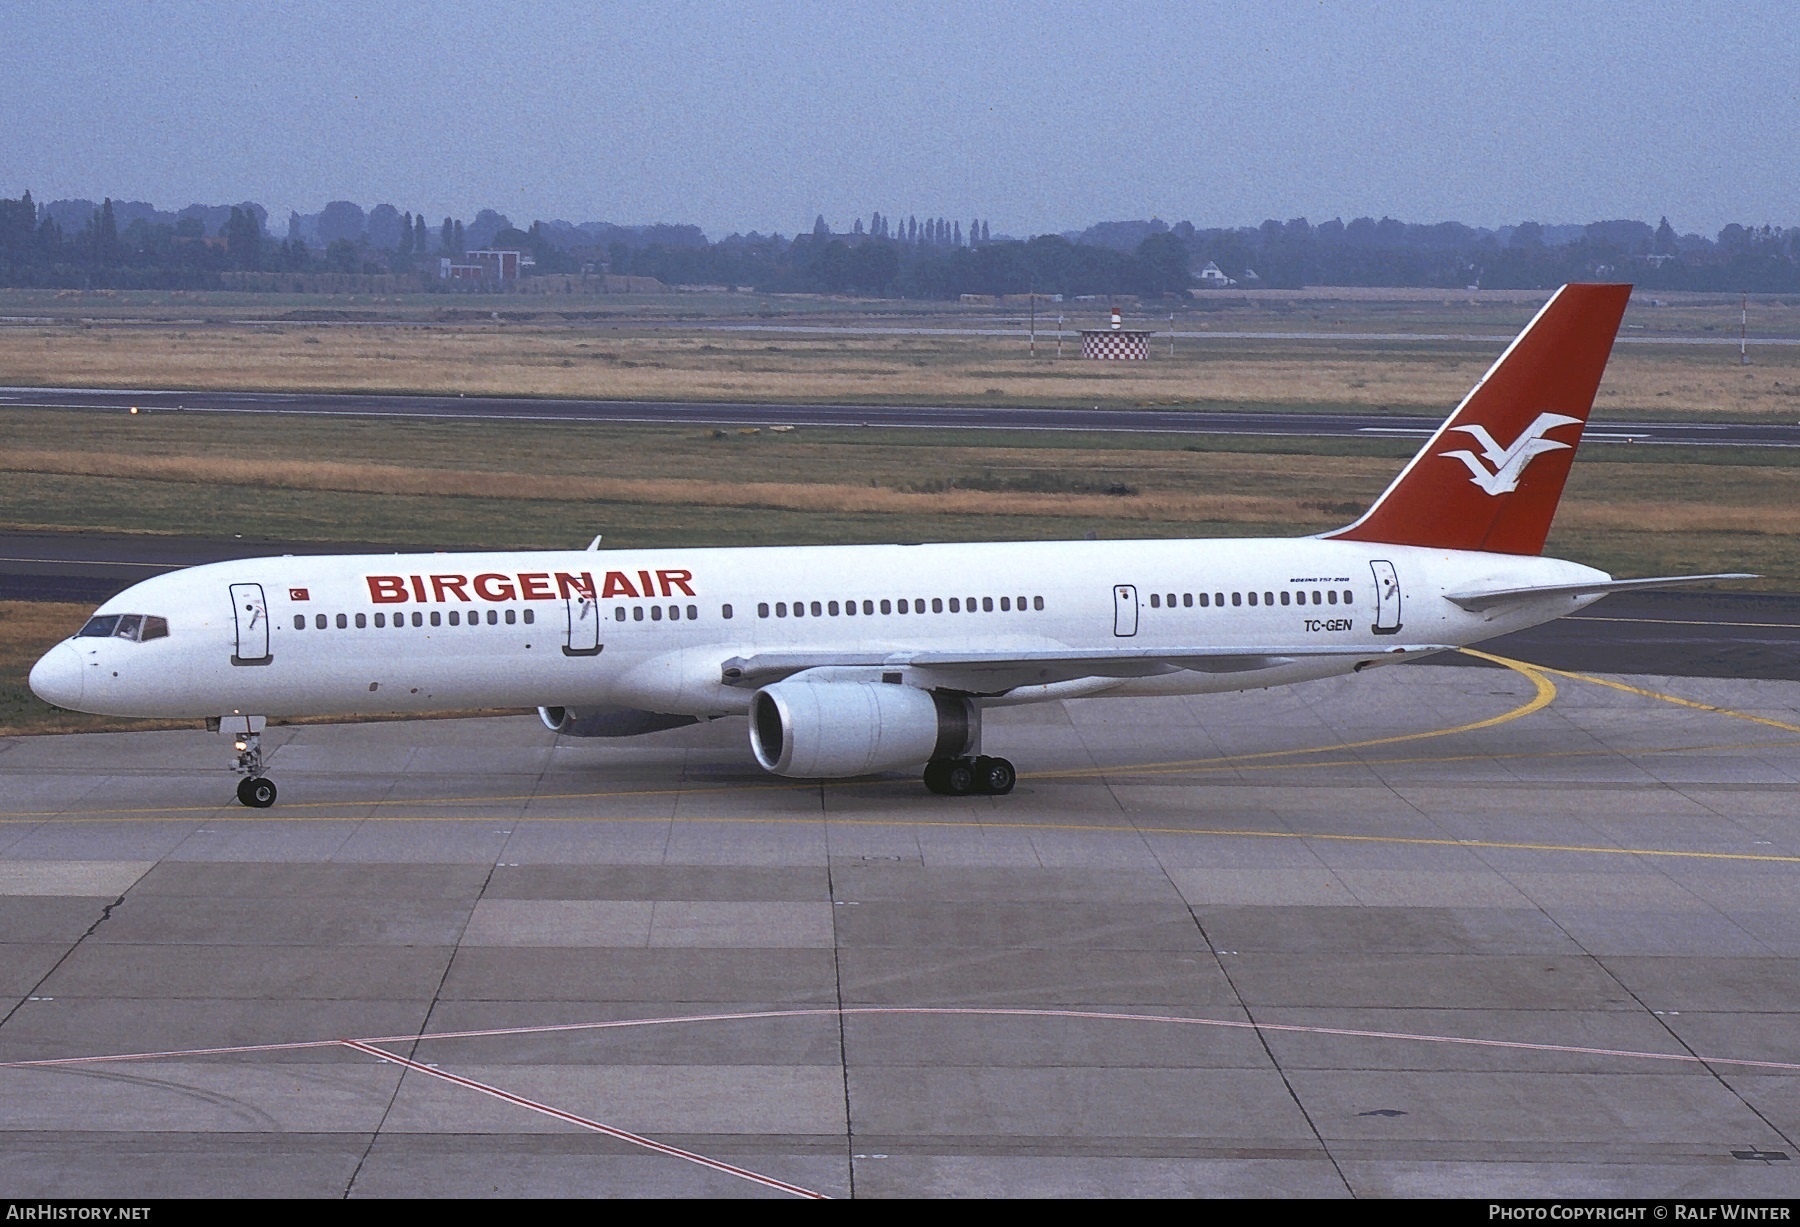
<point>852,660</point>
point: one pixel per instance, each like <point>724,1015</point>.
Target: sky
<point>1043,116</point>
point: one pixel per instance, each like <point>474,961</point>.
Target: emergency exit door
<point>1125,610</point>
<point>250,618</point>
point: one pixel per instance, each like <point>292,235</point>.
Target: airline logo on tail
<point>1506,465</point>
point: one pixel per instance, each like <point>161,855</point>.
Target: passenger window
<point>1268,598</point>
<point>418,618</point>
<point>1331,596</point>
<point>1037,602</point>
<point>901,606</point>
<point>832,609</point>
<point>1005,604</point>
<point>343,623</point>
<point>530,616</point>
<point>436,618</point>
<point>781,609</point>
<point>849,609</point>
<point>299,622</point>
<point>869,608</point>
<point>1187,600</point>
<point>818,611</point>
<point>1219,599</point>
<point>455,618</point>
<point>1205,600</point>
<point>886,608</point>
<point>618,613</point>
<point>362,621</point>
<point>1020,602</point>
<point>656,613</point>
<point>1318,597</point>
<point>694,612</point>
<point>1156,600</point>
<point>1253,598</point>
<point>937,604</point>
<point>1284,597</point>
<point>987,604</point>
<point>512,615</point>
<point>799,609</point>
<point>637,613</point>
<point>494,617</point>
<point>319,621</point>
<point>955,606</point>
<point>1349,596</point>
<point>1237,598</point>
<point>725,612</point>
<point>381,621</point>
<point>762,609</point>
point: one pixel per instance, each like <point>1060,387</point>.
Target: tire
<point>256,793</point>
<point>959,778</point>
<point>995,776</point>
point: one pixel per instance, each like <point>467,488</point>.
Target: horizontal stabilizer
<point>1002,669</point>
<point>1475,602</point>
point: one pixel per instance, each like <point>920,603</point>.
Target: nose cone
<point>57,678</point>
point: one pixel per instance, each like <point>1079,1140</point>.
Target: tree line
<point>132,245</point>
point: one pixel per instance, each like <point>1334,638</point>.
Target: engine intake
<point>824,730</point>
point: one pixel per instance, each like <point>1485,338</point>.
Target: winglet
<point>1490,478</point>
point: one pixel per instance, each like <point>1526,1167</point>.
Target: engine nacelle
<point>815,730</point>
<point>610,721</point>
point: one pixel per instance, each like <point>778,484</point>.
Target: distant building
<point>487,266</point>
<point>1213,278</point>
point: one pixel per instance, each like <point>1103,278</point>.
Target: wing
<point>1476,602</point>
<point>995,672</point>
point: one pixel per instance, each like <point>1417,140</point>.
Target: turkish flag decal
<point>298,594</point>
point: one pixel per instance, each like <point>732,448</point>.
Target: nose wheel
<point>967,777</point>
<point>257,793</point>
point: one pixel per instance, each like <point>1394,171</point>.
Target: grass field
<point>1633,511</point>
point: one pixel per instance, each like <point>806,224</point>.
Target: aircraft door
<point>1387,598</point>
<point>250,613</point>
<point>1125,610</point>
<point>584,625</point>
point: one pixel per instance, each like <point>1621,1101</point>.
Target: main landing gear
<point>255,790</point>
<point>965,777</point>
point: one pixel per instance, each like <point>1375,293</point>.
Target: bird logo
<point>1504,466</point>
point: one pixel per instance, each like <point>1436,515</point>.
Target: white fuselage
<point>420,632</point>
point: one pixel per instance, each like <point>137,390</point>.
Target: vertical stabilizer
<point>1490,478</point>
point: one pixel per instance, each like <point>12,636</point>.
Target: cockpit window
<point>136,627</point>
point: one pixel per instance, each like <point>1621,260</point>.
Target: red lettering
<point>418,586</point>
<point>535,586</point>
<point>649,588</point>
<point>440,584</point>
<point>617,585</point>
<point>491,587</point>
<point>582,584</point>
<point>386,589</point>
<point>673,580</point>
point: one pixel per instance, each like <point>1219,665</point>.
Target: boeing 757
<point>859,659</point>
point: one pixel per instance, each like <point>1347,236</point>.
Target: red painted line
<point>661,1148</point>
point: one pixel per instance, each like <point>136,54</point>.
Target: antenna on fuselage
<point>595,543</point>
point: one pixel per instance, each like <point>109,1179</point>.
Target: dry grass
<point>673,364</point>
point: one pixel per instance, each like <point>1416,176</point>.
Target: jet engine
<point>609,721</point>
<point>814,730</point>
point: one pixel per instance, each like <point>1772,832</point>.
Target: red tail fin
<point>1491,476</point>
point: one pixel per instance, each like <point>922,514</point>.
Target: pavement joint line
<point>583,1122</point>
<point>367,1045</point>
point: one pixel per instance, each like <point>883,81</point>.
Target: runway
<point>1500,931</point>
<point>892,417</point>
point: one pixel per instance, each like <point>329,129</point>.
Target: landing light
<point>134,408</point>
<point>240,745</point>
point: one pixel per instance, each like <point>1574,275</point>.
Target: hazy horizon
<point>740,117</point>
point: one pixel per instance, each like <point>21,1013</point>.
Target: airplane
<point>862,659</point>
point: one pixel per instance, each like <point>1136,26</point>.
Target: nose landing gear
<point>255,790</point>
<point>964,777</point>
